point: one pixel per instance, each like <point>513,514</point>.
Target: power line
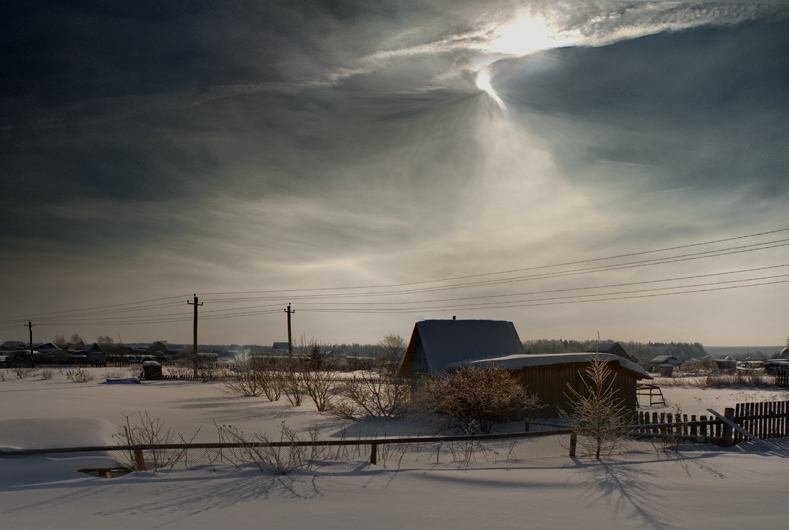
<point>540,276</point>
<point>616,295</point>
<point>124,310</point>
<point>536,303</point>
<point>591,260</point>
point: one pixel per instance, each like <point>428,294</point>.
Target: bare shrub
<point>670,439</point>
<point>739,378</point>
<point>23,372</point>
<point>118,373</point>
<point>178,372</point>
<point>265,371</point>
<point>255,449</point>
<point>47,374</point>
<point>80,376</point>
<point>475,399</point>
<point>146,431</point>
<point>289,382</point>
<point>697,366</point>
<point>246,384</point>
<point>378,392</point>
<point>598,415</point>
<point>317,382</point>
<point>372,395</point>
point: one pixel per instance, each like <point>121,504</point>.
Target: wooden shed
<point>548,375</point>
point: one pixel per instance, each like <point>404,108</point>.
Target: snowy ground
<point>538,487</point>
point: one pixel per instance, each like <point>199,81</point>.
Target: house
<point>93,355</point>
<point>614,348</point>
<point>49,348</point>
<point>662,359</point>
<point>280,348</point>
<point>435,344</point>
<point>727,363</point>
<point>551,376</point>
<point>438,346</point>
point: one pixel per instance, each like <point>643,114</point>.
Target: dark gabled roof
<point>93,348</point>
<point>613,348</point>
<point>449,341</point>
<point>663,359</point>
<point>49,346</point>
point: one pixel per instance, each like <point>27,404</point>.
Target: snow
<point>516,362</point>
<point>703,486</point>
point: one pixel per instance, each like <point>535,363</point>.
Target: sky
<point>577,168</point>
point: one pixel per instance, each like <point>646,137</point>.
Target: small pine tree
<point>598,414</point>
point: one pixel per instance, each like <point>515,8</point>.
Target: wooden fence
<point>769,419</point>
<point>669,424</point>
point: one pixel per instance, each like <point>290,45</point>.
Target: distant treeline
<point>642,351</point>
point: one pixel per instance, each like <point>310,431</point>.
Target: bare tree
<point>60,341</point>
<point>391,350</point>
<point>77,341</point>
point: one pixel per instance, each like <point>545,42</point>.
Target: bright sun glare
<point>483,83</point>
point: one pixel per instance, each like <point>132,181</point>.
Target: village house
<point>439,346</point>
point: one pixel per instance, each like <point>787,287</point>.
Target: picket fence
<point>767,419</point>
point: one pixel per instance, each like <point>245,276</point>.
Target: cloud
<point>264,143</point>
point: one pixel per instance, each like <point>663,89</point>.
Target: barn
<point>550,376</point>
<point>438,346</point>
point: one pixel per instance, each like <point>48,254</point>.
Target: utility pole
<point>290,342</point>
<point>194,351</point>
<point>30,326</point>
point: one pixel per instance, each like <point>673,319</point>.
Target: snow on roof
<point>448,341</point>
<point>516,362</point>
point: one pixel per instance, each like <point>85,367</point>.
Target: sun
<point>483,83</point>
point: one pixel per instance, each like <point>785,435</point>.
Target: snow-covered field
<point>540,487</point>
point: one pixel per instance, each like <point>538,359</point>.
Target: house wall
<point>549,384</point>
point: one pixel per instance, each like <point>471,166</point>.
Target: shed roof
<point>517,362</point>
<point>447,341</point>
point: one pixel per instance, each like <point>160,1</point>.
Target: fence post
<point>374,453</point>
<point>139,459</point>
<point>573,443</point>
<point>727,436</point>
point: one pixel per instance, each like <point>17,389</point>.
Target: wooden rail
<point>306,443</point>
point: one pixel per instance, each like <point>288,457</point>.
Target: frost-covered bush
<point>80,376</point>
<point>23,372</point>
<point>475,399</point>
